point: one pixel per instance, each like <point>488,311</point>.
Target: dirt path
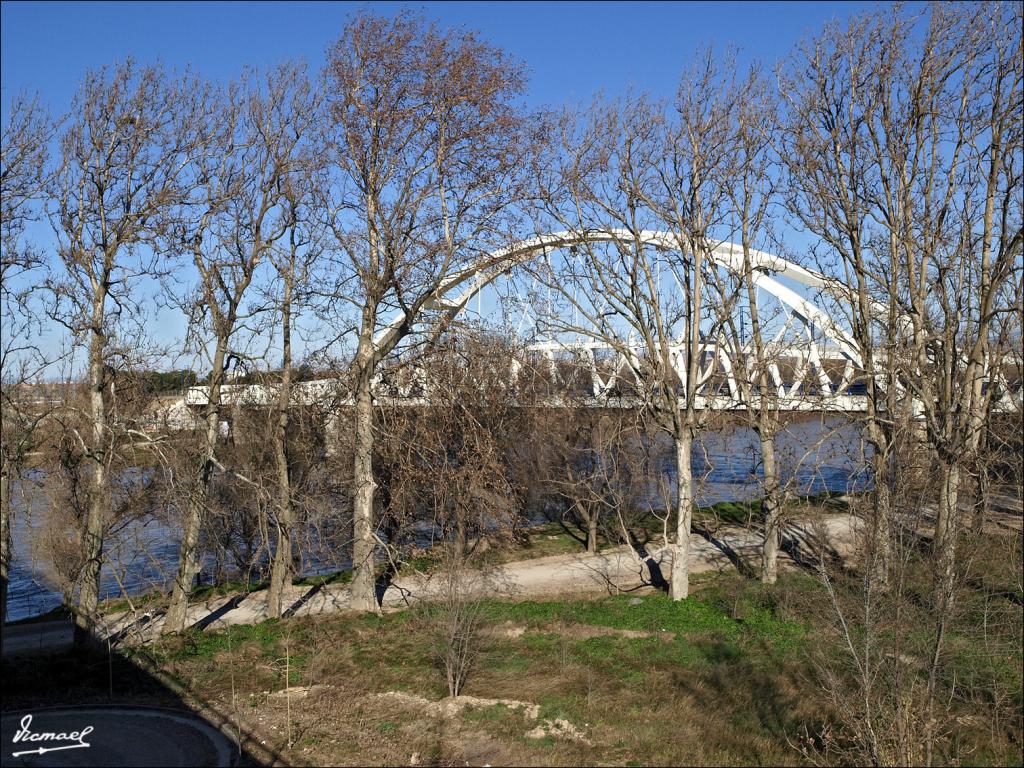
<point>610,571</point>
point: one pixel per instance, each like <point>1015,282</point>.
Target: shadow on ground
<point>138,716</point>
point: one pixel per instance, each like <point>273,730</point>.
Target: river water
<point>816,453</point>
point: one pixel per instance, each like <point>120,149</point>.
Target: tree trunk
<point>944,543</point>
<point>98,507</point>
<point>680,582</point>
<point>188,557</point>
<point>188,565</point>
<point>92,544</point>
<point>880,527</point>
<point>981,503</point>
<point>281,568</point>
<point>282,565</point>
<point>983,483</point>
<point>771,511</point>
<point>946,528</point>
<point>364,589</point>
<point>592,530</point>
<point>765,424</point>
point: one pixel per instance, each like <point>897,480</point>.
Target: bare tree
<point>64,497</point>
<point>629,169</point>
<point>23,168</point>
<point>751,194</point>
<point>294,262</point>
<point>454,462</point>
<point>824,148</point>
<point>594,469</point>
<point>452,457</point>
<point>123,154</point>
<point>904,149</point>
<point>425,145</point>
<point>953,222</point>
<point>240,212</point>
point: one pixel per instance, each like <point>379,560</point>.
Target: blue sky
<point>572,49</point>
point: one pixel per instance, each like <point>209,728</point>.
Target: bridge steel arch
<point>726,254</point>
<point>457,291</point>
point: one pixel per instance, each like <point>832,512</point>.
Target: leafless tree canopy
<point>331,409</point>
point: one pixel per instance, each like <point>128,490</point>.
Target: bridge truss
<point>818,367</point>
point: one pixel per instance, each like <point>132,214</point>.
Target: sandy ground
<point>614,570</point>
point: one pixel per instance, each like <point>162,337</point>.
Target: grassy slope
<point>708,687</point>
<point>727,677</point>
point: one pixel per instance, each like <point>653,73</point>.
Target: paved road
<point>37,637</point>
<point>119,737</point>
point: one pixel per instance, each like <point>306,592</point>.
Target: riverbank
<point>546,560</point>
<point>814,453</point>
<point>562,672</point>
<point>613,570</point>
<point>733,675</point>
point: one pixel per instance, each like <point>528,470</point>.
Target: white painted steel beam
<point>457,291</point>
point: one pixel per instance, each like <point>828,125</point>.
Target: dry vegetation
<point>732,675</point>
<point>365,202</point>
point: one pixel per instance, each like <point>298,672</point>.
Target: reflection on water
<point>814,453</point>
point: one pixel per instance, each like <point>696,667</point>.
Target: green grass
<point>204,646</point>
<point>725,678</point>
<point>323,580</point>
<point>708,630</point>
<point>709,613</point>
<point>150,599</point>
<point>729,513</point>
<point>633,660</point>
<point>728,676</point>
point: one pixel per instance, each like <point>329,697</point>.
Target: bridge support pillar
<point>332,433</point>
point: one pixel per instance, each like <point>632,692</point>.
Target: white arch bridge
<point>812,363</point>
